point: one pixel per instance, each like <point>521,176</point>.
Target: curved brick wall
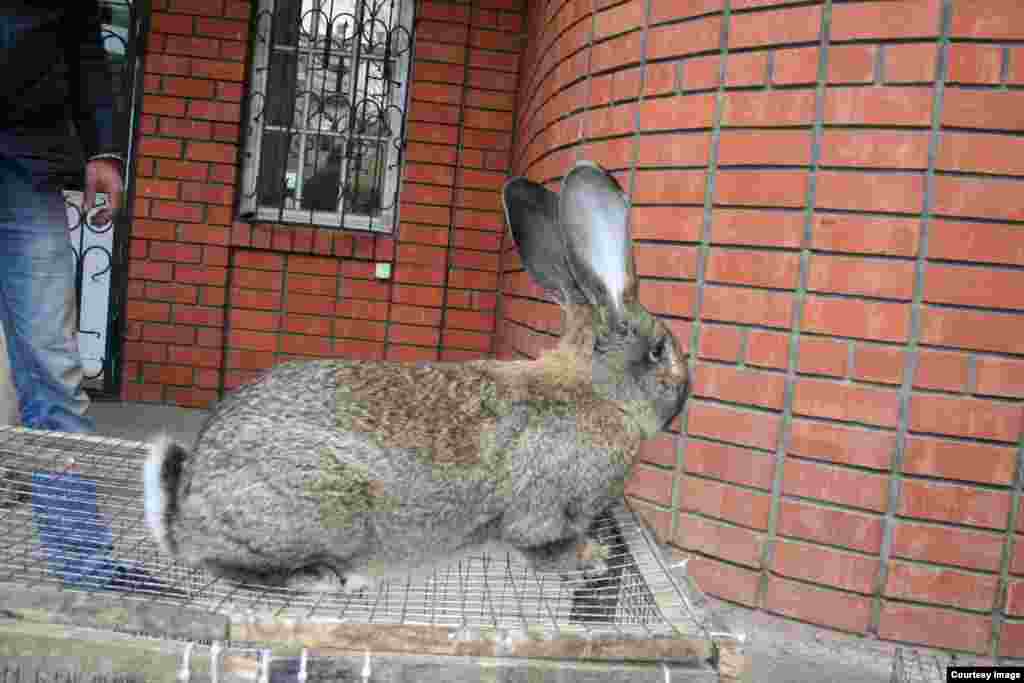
<point>829,208</point>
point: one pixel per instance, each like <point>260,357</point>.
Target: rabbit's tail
<point>161,475</point>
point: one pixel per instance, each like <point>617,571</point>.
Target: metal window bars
<point>326,112</point>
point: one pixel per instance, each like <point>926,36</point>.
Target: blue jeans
<point>37,298</point>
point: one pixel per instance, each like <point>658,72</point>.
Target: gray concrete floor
<point>143,421</point>
<point>782,651</point>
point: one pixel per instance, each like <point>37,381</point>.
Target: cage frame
<point>674,626</point>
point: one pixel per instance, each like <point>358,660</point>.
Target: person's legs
<point>37,300</point>
<point>9,412</point>
<point>37,307</point>
<point>38,310</point>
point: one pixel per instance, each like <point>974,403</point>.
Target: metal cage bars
<point>71,515</point>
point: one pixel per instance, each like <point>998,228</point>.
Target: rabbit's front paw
<point>355,583</point>
<point>588,558</point>
<point>569,558</point>
<point>593,558</point>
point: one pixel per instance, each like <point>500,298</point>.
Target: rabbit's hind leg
<point>246,576</point>
<point>315,578</point>
<point>327,577</point>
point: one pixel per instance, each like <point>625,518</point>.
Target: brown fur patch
<point>439,409</point>
<point>442,410</point>
<point>578,330</point>
<point>563,377</point>
<point>375,488</point>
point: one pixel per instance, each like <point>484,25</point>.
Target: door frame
<point>109,384</point>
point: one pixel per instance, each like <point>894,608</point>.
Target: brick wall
<point>211,301</point>
<point>828,209</point>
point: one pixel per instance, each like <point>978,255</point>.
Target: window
<point>326,104</point>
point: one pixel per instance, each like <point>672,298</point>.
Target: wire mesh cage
<point>71,518</point>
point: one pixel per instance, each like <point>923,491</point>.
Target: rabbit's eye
<point>657,351</point>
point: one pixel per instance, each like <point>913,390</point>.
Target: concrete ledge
<point>104,610</point>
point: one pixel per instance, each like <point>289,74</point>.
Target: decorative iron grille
<point>101,250</point>
<point>93,245</point>
<point>326,112</point>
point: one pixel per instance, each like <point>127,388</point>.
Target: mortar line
<point>460,154</point>
<point>225,345</point>
<point>513,163</point>
<point>916,306</point>
<point>999,615</point>
<point>704,247</point>
<point>583,131</point>
<point>972,374</point>
<point>395,234</point>
<point>999,607</point>
<point>800,296</point>
<point>851,360</point>
<point>744,347</point>
<point>527,71</point>
<point>282,307</point>
<point>339,289</point>
<point>633,161</point>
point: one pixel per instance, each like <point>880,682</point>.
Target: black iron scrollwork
<point>326,111</point>
<point>95,245</point>
<point>94,261</point>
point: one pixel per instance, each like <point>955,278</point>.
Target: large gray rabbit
<point>337,474</point>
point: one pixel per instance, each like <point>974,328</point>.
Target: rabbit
<point>338,474</point>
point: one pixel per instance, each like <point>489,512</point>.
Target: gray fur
<point>332,470</point>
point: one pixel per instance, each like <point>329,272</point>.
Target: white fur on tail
<point>156,497</point>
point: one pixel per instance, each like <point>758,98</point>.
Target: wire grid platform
<point>43,474</point>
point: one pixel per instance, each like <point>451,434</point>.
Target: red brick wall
<point>828,207</point>
<point>211,301</point>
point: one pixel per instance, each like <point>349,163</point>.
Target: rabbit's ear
<point>594,215</point>
<point>532,214</point>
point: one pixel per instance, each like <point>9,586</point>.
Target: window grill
<point>326,112</point>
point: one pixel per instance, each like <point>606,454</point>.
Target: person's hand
<point>103,175</point>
